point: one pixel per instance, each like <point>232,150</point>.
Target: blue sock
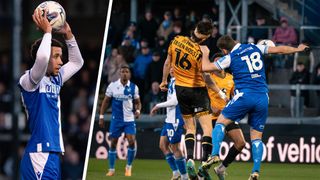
<point>217,138</point>
<point>131,153</point>
<point>257,151</point>
<point>171,162</point>
<point>112,158</point>
<point>181,163</point>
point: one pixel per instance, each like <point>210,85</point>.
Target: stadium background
<point>292,125</point>
<point>87,20</point>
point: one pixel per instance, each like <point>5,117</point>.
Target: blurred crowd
<point>143,46</point>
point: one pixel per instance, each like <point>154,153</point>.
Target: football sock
<point>131,153</point>
<point>181,163</point>
<point>232,154</point>
<point>189,141</point>
<point>217,138</point>
<point>112,158</point>
<point>257,151</point>
<point>171,162</point>
<point>206,147</point>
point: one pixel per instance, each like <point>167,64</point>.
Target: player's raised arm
<point>165,74</point>
<point>206,64</point>
<point>286,49</point>
<point>75,61</point>
<point>43,50</point>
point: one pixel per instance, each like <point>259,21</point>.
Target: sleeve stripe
<point>266,50</point>
<point>218,66</point>
<point>31,80</point>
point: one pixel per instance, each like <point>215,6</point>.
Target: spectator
<point>139,68</point>
<point>152,97</point>
<point>113,64</point>
<point>206,18</point>
<point>285,34</point>
<point>5,98</point>
<point>127,50</point>
<point>214,14</point>
<point>148,28</point>
<point>211,42</point>
<point>300,76</point>
<point>177,30</point>
<point>161,47</point>
<point>154,70</point>
<point>307,58</point>
<point>178,16</point>
<point>166,26</point>
<point>191,20</point>
<point>316,81</point>
<point>133,41</point>
<point>257,34</point>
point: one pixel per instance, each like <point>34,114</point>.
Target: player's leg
<point>257,119</point>
<point>234,132</point>
<point>164,146</point>
<point>130,131</point>
<point>115,132</point>
<point>206,142</point>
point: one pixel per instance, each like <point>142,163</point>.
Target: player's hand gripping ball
<point>266,42</point>
<point>56,14</point>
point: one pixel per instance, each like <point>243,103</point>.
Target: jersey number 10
<point>254,63</point>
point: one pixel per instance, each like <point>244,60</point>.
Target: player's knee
<point>240,144</point>
<point>131,144</point>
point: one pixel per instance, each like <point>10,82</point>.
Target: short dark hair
<point>226,42</point>
<point>36,44</point>
<point>124,66</point>
<point>204,28</point>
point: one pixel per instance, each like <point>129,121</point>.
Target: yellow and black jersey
<point>186,62</point>
<point>227,85</point>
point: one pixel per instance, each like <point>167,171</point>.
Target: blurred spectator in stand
<point>177,30</point>
<point>166,25</point>
<point>307,58</point>
<point>113,64</point>
<point>284,35</point>
<point>133,41</point>
<point>72,167</point>
<point>127,50</point>
<point>206,18</point>
<point>139,69</point>
<point>161,47</point>
<point>191,20</point>
<point>154,70</point>
<point>152,97</point>
<point>178,16</point>
<point>316,81</point>
<point>5,69</point>
<point>211,42</point>
<point>214,14</point>
<point>258,33</point>
<point>5,98</point>
<point>148,28</point>
<point>300,76</point>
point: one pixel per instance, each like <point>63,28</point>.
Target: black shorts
<point>192,100</point>
<point>233,125</point>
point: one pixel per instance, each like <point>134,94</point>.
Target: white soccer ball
<point>266,42</point>
<point>56,14</point>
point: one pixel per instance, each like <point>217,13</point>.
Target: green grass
<point>158,169</point>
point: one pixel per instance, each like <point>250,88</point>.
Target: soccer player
<point>126,106</point>
<point>40,90</point>
<point>225,82</point>
<point>171,132</point>
<point>184,56</point>
<point>246,64</point>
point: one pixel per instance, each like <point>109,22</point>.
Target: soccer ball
<point>56,14</point>
<point>266,42</point>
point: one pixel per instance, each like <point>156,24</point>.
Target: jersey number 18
<point>254,62</point>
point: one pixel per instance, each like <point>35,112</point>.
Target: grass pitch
<point>159,169</point>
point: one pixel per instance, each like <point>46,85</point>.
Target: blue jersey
<point>173,112</point>
<point>122,100</point>
<point>44,118</point>
<point>246,64</point>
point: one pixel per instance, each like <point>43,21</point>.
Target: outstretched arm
<point>29,81</point>
<point>286,49</point>
<point>75,59</point>
<point>206,64</point>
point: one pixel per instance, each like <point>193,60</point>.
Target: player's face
<point>55,61</point>
<point>125,74</point>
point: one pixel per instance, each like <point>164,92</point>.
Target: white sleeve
<point>75,60</point>
<point>109,90</point>
<point>170,102</point>
<point>224,62</point>
<point>29,81</point>
<point>263,48</point>
<point>136,92</point>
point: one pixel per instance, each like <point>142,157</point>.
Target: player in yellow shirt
<point>225,82</point>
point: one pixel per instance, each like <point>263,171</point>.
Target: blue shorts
<point>118,127</point>
<point>253,104</point>
<point>40,165</point>
<point>173,134</point>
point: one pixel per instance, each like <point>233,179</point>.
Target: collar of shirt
<point>236,47</point>
<point>119,83</point>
